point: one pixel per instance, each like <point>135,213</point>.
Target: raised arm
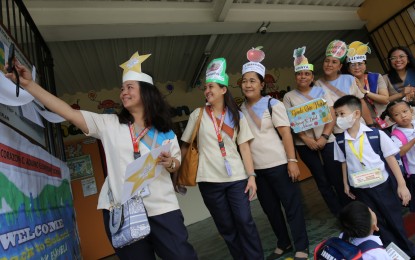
<point>50,101</point>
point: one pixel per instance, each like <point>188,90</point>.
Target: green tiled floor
<point>320,224</point>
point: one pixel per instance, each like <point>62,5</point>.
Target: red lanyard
<point>136,139</point>
<point>218,129</point>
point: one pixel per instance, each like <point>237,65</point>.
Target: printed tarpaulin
<point>37,218</point>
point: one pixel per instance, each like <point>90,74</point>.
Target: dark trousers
<point>327,174</point>
<point>384,201</point>
<point>275,187</point>
<point>168,239</point>
<point>229,206</point>
<point>410,183</point>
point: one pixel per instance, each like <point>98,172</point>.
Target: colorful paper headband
<point>216,72</point>
<point>300,61</point>
<point>255,56</point>
<point>357,52</point>
<point>337,49</point>
<point>132,69</point>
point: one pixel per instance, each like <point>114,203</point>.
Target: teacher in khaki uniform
<point>274,161</point>
<point>226,182</point>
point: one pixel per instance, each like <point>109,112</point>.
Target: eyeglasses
<point>400,57</point>
<point>357,64</point>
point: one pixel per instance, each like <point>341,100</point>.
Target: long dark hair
<point>156,109</point>
<point>232,107</point>
<point>392,74</point>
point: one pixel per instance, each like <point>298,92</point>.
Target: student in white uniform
<point>337,84</point>
<point>315,146</point>
<point>403,134</point>
<point>144,114</point>
<point>358,223</point>
<point>226,182</point>
<point>365,175</point>
<point>276,174</point>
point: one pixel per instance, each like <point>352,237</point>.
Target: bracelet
<point>325,136</point>
<point>292,160</point>
<point>252,174</point>
<point>171,164</point>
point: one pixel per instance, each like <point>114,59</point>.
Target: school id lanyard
<point>219,136</point>
<point>359,155</point>
<point>135,138</point>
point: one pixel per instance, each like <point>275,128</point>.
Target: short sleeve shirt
<point>410,155</point>
<point>295,98</point>
<point>370,159</point>
<point>266,148</point>
<point>211,166</point>
<point>346,84</point>
<point>116,140</point>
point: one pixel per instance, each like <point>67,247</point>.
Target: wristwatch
<point>172,165</point>
<point>292,160</point>
<point>325,136</point>
<point>252,174</point>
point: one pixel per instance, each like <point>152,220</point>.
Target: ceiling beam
<point>221,9</point>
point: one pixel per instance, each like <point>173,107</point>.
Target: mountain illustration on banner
<point>142,171</point>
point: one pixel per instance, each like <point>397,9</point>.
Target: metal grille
<point>18,23</point>
<point>397,31</point>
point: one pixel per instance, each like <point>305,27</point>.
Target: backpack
<point>401,136</point>
<point>338,249</point>
<point>374,140</point>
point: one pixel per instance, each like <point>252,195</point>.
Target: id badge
<point>382,123</point>
<point>228,168</point>
<point>145,192</point>
<point>366,177</point>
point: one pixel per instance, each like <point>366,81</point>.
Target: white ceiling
<point>88,39</point>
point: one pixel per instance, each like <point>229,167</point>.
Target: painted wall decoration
<point>37,219</point>
<point>309,115</point>
<point>109,106</point>
<point>80,167</point>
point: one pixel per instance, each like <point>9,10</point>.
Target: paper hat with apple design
<point>255,56</point>
<point>216,72</point>
<point>132,69</point>
<point>300,61</point>
<point>357,52</point>
<point>337,49</point>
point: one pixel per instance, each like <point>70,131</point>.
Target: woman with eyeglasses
<point>401,75</point>
<point>372,85</point>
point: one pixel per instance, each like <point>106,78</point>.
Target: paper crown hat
<point>216,72</point>
<point>255,56</point>
<point>132,69</point>
<point>357,52</point>
<point>337,49</point>
<point>300,61</point>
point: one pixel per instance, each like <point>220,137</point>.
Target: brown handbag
<point>190,162</point>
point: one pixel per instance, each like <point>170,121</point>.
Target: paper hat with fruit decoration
<point>132,69</point>
<point>337,49</point>
<point>216,72</point>
<point>357,52</point>
<point>300,61</point>
<point>255,56</point>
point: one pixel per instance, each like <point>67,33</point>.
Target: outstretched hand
<point>25,75</point>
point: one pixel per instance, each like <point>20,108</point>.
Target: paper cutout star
<point>134,63</point>
<point>147,172</point>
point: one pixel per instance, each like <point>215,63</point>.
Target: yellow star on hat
<point>148,171</point>
<point>132,69</point>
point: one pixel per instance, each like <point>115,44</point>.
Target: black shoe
<point>274,255</point>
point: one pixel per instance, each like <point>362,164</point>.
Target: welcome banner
<point>37,219</point>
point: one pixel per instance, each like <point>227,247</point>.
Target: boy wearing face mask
<point>365,174</point>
